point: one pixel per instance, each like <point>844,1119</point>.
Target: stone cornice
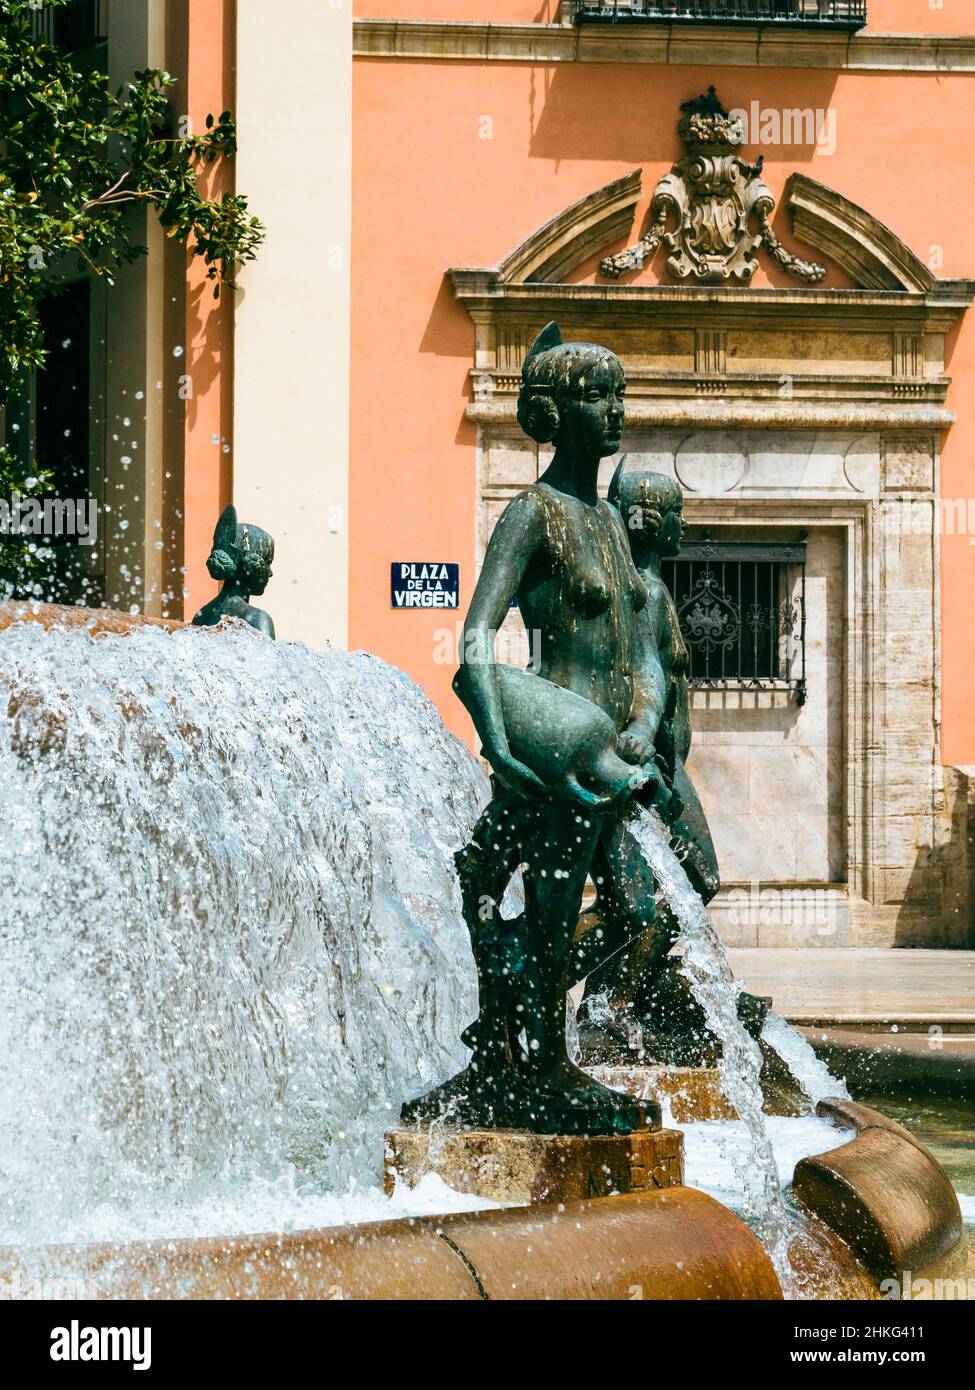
<point>483,294</point>
<point>891,417</point>
<point>712,45</point>
<point>729,356</point>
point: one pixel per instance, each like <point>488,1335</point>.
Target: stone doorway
<point>781,412</point>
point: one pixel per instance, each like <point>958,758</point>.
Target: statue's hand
<point>664,798</point>
<point>518,778</point>
<point>635,745</point>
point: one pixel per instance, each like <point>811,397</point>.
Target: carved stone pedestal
<point>694,1093</point>
<point>523,1169</point>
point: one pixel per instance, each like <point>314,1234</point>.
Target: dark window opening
<point>62,409</point>
<point>843,14</point>
<point>74,25</point>
<point>62,434</point>
<point>742,612</point>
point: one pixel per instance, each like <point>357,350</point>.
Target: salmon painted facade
<point>440,178</point>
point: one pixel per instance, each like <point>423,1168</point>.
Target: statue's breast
<point>589,556</point>
<point>670,639</point>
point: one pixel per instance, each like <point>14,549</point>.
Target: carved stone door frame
<point>834,403</point>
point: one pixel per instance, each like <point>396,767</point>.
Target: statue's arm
<point>516,537</point>
<point>636,742</point>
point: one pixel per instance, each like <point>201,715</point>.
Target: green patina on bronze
<point>568,745</point>
<point>242,556</point>
<point>600,721</point>
<point>637,985</point>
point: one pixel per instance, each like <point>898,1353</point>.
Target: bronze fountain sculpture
<point>601,723</point>
<point>638,985</point>
<point>241,557</point>
<point>567,747</point>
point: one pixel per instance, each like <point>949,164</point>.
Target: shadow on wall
<point>640,126</point>
<point>772,713</point>
<point>938,908</point>
<point>449,332</point>
<point>792,128</point>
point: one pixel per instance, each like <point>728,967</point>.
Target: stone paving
<point>913,988</point>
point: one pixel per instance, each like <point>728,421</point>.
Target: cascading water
<point>231,940</point>
<point>707,968</point>
<point>814,1077</point>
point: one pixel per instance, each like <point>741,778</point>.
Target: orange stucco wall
<point>884,16</point>
<point>428,193</point>
<point>207,337</point>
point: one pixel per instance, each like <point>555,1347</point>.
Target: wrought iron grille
<point>845,14</point>
<point>74,25</point>
<point>742,611</point>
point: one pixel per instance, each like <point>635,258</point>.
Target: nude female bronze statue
<point>568,747</point>
<point>639,984</point>
<point>242,557</point>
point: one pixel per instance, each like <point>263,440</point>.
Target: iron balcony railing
<point>841,14</point>
<point>742,613</point>
<point>78,24</point>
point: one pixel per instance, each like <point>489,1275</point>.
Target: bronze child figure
<point>242,557</point>
<point>638,985</point>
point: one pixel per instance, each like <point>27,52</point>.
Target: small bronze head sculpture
<point>651,505</point>
<point>241,557</point>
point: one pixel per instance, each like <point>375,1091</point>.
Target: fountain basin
<point>674,1244</point>
<point>883,1193</point>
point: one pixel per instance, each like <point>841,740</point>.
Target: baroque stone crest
<point>712,194</point>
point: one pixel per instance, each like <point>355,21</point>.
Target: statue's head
<point>651,505</point>
<point>572,395</point>
<point>242,553</point>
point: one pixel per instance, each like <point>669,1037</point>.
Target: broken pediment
<point>711,214</point>
<point>701,347</point>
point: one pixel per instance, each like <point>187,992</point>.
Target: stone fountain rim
<point>98,622</point>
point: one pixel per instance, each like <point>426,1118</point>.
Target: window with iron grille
<point>742,611</point>
<point>74,25</point>
<point>846,14</point>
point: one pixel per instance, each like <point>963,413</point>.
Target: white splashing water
<point>814,1077</point>
<point>717,1151</point>
<point>706,965</point>
<point>231,939</point>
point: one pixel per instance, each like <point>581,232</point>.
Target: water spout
<point>707,968</point>
<point>813,1076</point>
